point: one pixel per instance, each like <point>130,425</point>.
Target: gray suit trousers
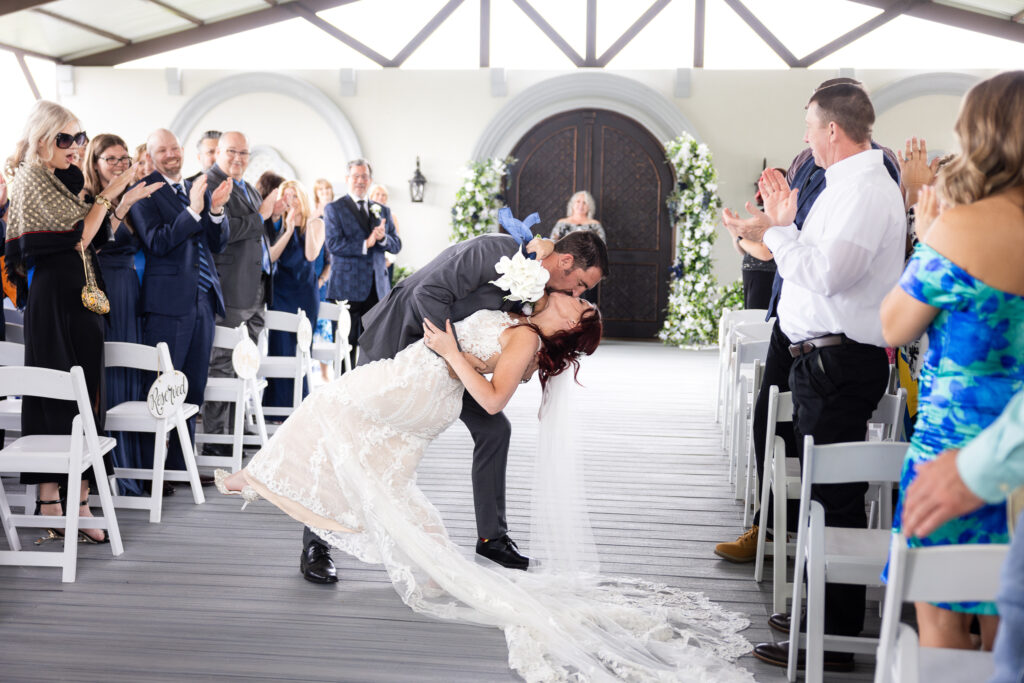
<point>217,415</point>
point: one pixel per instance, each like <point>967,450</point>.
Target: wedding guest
<point>244,266</point>
<point>358,232</point>
<point>51,227</point>
<point>758,266</point>
<point>266,184</point>
<point>807,176</point>
<point>106,158</point>
<point>961,481</point>
<point>180,228</point>
<point>964,286</point>
<point>835,271</point>
<point>378,193</point>
<point>142,161</point>
<point>323,192</point>
<point>580,210</point>
<point>300,237</point>
<point>206,148</point>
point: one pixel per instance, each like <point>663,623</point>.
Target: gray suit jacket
<point>451,287</point>
<point>240,265</point>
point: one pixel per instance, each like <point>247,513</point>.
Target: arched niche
<point>939,83</point>
<point>580,90</point>
<point>265,82</point>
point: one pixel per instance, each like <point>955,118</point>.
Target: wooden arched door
<point>623,166</point>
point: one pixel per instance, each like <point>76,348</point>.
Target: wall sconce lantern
<point>417,184</point>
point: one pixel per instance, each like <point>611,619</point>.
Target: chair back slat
<point>226,337</point>
<point>949,573</point>
<point>12,353</point>
<point>328,311</point>
<point>852,462</point>
<point>14,332</point>
<point>889,413</point>
<point>282,321</point>
<point>41,382</point>
<point>749,351</point>
<point>126,355</point>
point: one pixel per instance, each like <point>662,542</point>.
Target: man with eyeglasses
<point>244,267</point>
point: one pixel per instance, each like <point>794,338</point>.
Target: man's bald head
<point>165,151</point>
<point>233,153</point>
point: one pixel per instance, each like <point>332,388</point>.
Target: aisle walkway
<point>215,594</point>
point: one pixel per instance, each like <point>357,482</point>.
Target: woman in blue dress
<point>300,237</point>
<point>117,245</point>
<point>323,192</point>
<point>964,286</point>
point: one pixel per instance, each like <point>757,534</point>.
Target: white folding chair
<point>11,354</point>
<point>336,353</point>
<point>747,361</point>
<point>726,322</point>
<point>241,391</point>
<point>744,332</point>
<point>886,424</point>
<point>834,554</point>
<point>67,454</point>
<point>292,367</point>
<point>135,416</point>
<point>13,315</point>
<point>946,573</point>
<point>14,332</point>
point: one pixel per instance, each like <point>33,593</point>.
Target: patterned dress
<point>974,365</point>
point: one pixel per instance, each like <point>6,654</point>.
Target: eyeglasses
<point>359,176</point>
<point>116,161</point>
<point>65,141</point>
<point>240,153</point>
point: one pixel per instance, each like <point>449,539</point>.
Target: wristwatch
<point>739,238</point>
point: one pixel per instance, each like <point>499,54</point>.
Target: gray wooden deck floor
<point>215,594</point>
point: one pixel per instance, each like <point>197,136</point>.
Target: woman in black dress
<point>49,229</point>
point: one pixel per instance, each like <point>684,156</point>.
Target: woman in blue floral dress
<point>964,286</point>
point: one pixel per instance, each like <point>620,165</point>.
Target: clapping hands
<point>376,235</point>
<point>779,208</point>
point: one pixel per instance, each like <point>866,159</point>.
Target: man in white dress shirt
<point>836,272</point>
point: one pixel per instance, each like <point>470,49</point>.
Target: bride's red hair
<point>562,350</point>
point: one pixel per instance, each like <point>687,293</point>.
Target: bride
<point>345,465</point>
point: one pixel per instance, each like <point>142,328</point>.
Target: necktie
<point>205,272</point>
<point>362,208</point>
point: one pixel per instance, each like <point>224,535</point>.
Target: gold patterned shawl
<point>41,202</point>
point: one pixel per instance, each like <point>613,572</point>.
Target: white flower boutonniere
<point>375,210</point>
<point>522,278</point>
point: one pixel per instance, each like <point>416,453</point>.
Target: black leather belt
<point>808,345</point>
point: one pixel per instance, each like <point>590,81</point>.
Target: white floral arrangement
<point>375,210</point>
<point>478,199</point>
<point>522,278</point>
<point>695,300</point>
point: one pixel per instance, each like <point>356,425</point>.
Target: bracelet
<point>118,217</point>
<point>105,203</point>
<point>739,238</point>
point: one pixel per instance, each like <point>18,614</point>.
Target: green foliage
<point>695,300</point>
<point>478,199</point>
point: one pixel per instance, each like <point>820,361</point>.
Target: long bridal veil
<point>564,625</point>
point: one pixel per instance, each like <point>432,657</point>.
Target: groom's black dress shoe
<point>316,564</point>
<point>504,551</point>
<point>778,655</point>
<point>780,622</point>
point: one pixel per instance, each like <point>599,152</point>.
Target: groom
<point>456,284</point>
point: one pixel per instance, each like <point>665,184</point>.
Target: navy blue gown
<point>117,258</point>
<point>294,288</point>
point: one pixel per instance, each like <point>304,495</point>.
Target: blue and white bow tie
<point>519,229</point>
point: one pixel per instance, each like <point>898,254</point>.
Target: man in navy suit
<point>358,232</point>
<point>181,227</point>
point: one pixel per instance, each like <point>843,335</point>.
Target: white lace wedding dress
<point>345,464</point>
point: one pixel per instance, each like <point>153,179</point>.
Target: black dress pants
<point>835,391</point>
<point>356,311</point>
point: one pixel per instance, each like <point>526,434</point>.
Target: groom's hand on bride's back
<point>480,366</point>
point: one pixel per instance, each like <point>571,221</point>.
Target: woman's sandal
<point>51,534</point>
<point>86,538</point>
<point>58,534</point>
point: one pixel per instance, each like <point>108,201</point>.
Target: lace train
<point>345,463</point>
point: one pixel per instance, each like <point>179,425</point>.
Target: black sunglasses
<point>64,140</point>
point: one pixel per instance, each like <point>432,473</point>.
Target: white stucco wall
<point>743,116</point>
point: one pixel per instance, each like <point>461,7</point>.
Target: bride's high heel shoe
<point>247,493</point>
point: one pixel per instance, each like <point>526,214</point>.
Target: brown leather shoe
<point>740,551</point>
<point>777,654</point>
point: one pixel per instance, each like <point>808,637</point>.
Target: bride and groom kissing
<point>344,464</point>
<point>456,284</point>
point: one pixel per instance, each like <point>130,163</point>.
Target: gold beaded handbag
<point>93,297</point>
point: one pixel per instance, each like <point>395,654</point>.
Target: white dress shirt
<point>848,256</point>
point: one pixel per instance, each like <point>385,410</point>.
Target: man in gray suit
<point>243,266</point>
<point>454,285</point>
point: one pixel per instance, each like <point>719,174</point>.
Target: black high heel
<point>51,534</point>
<point>86,538</point>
